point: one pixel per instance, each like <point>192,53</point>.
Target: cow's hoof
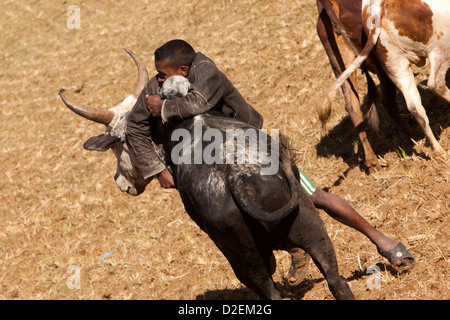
<point>374,165</point>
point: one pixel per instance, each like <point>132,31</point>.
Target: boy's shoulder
<point>202,66</point>
<point>201,59</point>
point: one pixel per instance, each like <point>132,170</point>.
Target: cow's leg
<point>438,71</point>
<point>388,95</point>
<point>353,105</point>
<point>353,108</point>
<point>340,55</point>
<point>400,72</point>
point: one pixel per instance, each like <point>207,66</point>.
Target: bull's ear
<point>100,143</point>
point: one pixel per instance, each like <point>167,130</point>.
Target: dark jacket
<point>210,92</point>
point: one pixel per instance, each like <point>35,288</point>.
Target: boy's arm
<point>139,140</point>
<point>205,92</point>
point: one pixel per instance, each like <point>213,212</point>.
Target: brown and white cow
<point>341,54</point>
<point>402,32</point>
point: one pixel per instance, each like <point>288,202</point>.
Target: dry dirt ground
<point>59,204</point>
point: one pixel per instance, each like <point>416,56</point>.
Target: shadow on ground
<point>299,291</point>
<point>342,140</point>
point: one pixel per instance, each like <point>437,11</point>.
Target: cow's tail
<point>372,7</point>
<point>328,6</point>
<point>245,201</point>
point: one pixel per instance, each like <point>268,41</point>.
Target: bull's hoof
<point>273,264</point>
<point>298,270</point>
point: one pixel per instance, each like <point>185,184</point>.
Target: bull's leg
<point>327,264</point>
<point>402,76</point>
<point>248,253</point>
<point>250,267</point>
<point>322,252</point>
<point>308,232</point>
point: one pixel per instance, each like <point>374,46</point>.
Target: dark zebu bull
<point>245,213</point>
<point>240,208</point>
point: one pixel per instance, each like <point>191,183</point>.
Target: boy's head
<point>173,58</point>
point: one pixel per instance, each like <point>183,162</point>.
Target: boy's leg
<point>306,183</point>
<point>341,211</point>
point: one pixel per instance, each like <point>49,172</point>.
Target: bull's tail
<point>372,7</point>
<point>245,201</point>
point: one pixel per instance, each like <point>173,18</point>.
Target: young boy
<point>212,92</point>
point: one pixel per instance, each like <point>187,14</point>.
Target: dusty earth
<point>60,207</point>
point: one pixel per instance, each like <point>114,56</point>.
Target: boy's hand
<point>154,104</point>
<point>165,179</point>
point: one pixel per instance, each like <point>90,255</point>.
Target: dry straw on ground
<point>59,205</point>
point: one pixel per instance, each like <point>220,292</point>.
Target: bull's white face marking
<point>128,177</point>
<point>118,124</point>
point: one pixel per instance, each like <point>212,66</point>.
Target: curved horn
<point>100,116</point>
<point>142,74</point>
